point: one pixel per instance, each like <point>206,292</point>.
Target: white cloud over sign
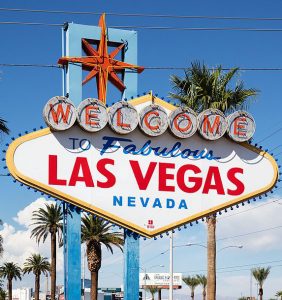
<point>17,243</point>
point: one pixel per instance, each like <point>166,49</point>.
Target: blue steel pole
<point>75,33</point>
<point>131,240</point>
<point>131,265</point>
<point>72,254</point>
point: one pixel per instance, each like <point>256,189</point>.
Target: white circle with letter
<point>123,117</point>
<point>241,126</point>
<point>153,120</point>
<point>59,113</point>
<point>92,115</point>
<point>183,122</point>
<point>212,124</point>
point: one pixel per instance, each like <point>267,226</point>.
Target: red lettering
<point>240,124</point>
<point>177,124</point>
<point>141,180</point>
<point>211,128</point>
<point>213,176</point>
<point>81,163</point>
<point>196,180</point>
<point>164,176</point>
<point>53,171</point>
<point>156,127</point>
<point>239,184</point>
<point>89,115</point>
<point>60,112</point>
<point>119,120</point>
<point>101,167</point>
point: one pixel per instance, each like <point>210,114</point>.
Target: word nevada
<point>92,115</point>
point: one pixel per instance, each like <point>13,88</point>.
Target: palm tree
<point>152,289</point>
<point>38,265</point>
<point>260,275</point>
<point>200,89</point>
<point>279,294</point>
<point>3,294</point>
<point>203,282</point>
<point>203,88</point>
<point>48,221</point>
<point>95,232</point>
<point>3,126</point>
<point>10,271</point>
<point>192,282</point>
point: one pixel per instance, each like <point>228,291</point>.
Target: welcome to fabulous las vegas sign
<point>144,164</point>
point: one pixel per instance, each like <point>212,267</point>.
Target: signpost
<point>143,164</point>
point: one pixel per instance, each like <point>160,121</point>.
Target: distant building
<point>22,294</point>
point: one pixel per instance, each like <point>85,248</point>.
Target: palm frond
<point>3,126</point>
<point>260,274</point>
<point>202,88</point>
<point>11,271</point>
<point>36,264</point>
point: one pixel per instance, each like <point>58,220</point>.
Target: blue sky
<point>24,92</point>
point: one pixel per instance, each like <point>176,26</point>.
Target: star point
<point>100,64</point>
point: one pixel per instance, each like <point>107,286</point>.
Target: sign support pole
<point>72,215</point>
<point>131,265</point>
<point>74,34</point>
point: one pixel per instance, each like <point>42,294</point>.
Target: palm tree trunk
<point>211,245</point>
<point>204,294</point>
<point>192,295</point>
<point>94,285</point>
<point>53,265</point>
<point>260,293</point>
<point>37,287</point>
<point>160,294</point>
<point>10,288</point>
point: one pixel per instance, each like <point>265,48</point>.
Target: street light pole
<point>145,284</point>
<point>251,284</point>
<point>171,266</point>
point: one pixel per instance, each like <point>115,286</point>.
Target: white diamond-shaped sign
<point>147,184</point>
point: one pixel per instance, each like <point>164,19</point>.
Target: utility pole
<point>251,284</point>
<point>171,266</point>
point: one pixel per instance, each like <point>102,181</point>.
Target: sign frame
<point>92,209</point>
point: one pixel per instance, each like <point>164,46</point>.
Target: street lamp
<point>145,272</point>
<point>201,245</point>
<point>234,246</point>
<point>185,245</point>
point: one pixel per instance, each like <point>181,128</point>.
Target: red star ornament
<point>100,64</point>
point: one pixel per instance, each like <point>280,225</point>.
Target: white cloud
<point>17,243</point>
<point>24,216</point>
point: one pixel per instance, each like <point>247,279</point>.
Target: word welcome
<point>92,115</point>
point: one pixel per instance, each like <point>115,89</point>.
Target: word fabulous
<point>92,115</point>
